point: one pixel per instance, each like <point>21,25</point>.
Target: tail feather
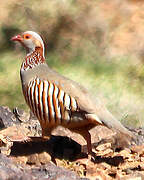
<point>124,137</point>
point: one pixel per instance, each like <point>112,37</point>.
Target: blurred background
<point>99,43</point>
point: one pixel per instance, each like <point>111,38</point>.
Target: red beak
<point>17,38</point>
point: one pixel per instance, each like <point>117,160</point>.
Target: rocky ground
<point>63,157</point>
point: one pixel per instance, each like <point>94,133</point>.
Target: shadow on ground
<point>58,147</point>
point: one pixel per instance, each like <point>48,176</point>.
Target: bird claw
<point>27,139</point>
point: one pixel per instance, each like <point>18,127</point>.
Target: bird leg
<point>87,137</point>
<point>46,133</point>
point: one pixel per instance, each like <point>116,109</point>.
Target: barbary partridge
<point>56,100</point>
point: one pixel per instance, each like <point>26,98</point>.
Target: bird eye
<point>27,36</point>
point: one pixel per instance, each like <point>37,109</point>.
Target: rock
<point>21,115</point>
<point>38,159</point>
<point>103,147</point>
<point>138,149</point>
<point>133,176</point>
<point>9,170</point>
<point>139,132</point>
<point>51,171</point>
<point>7,118</point>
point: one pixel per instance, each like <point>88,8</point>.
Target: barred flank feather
<point>47,102</point>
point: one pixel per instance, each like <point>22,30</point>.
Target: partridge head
<point>30,40</point>
<point>56,100</point>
